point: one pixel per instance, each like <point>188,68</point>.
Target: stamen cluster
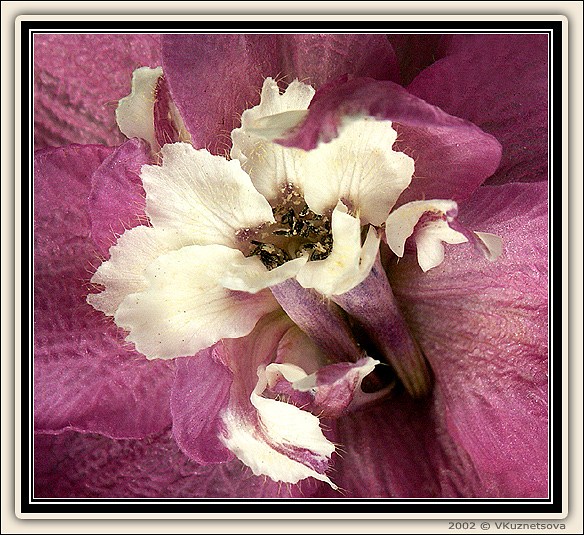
<point>297,231</point>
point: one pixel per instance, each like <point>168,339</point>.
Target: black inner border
<point>553,504</point>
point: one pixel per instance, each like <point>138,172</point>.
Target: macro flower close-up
<point>291,266</point>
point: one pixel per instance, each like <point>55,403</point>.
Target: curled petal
<point>333,389</point>
<point>282,442</point>
<point>271,166</point>
<point>78,78</point>
<point>452,156</point>
<point>135,112</point>
<point>202,195</point>
<point>348,263</point>
<point>185,308</point>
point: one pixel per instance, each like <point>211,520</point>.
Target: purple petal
<point>75,465</point>
<point>324,322</point>
<point>373,306</point>
<point>117,198</point>
<point>452,156</point>
<point>384,453</point>
<point>483,327</point>
<point>414,53</point>
<point>199,394</point>
<point>85,377</point>
<point>78,79</point>
<point>214,78</point>
<point>500,83</point>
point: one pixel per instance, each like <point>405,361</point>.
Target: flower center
<point>297,231</point>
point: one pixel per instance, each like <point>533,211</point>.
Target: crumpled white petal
<point>429,239</point>
<point>135,113</point>
<point>269,165</point>
<point>184,307</point>
<point>401,223</point>
<point>360,169</point>
<point>284,442</point>
<point>123,273</point>
<point>203,196</point>
<point>348,263</point>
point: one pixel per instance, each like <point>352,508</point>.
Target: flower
<point>481,325</point>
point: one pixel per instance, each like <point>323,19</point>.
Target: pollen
<point>296,232</point>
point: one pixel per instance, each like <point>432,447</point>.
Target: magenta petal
<point>85,377</point>
<point>214,78</point>
<point>384,452</point>
<point>78,79</point>
<point>199,394</point>
<point>117,199</point>
<point>452,156</point>
<point>500,83</point>
<point>484,328</point>
<point>414,53</point>
<point>74,465</point>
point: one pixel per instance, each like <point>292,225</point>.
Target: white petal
<point>202,195</point>
<point>184,307</point>
<point>123,273</point>
<point>250,275</point>
<point>283,437</point>
<point>135,113</point>
<point>429,241</point>
<point>348,263</point>
<point>359,168</point>
<point>400,224</point>
<point>272,166</point>
<point>493,245</point>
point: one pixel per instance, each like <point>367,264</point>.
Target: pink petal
<point>117,198</point>
<point>214,78</point>
<point>452,156</point>
<point>199,394</point>
<point>500,83</point>
<point>383,453</point>
<point>483,327</point>
<point>75,465</point>
<point>85,377</point>
<point>414,53</point>
<point>78,79</point>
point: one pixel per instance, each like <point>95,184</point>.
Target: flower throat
<point>297,231</point>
